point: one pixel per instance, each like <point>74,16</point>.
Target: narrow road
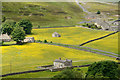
<point>87,50</point>
<point>103,51</point>
<point>84,10</point>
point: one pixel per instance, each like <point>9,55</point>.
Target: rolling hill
<point>44,13</point>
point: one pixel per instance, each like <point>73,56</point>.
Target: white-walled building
<point>58,63</point>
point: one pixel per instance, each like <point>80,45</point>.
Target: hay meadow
<point>32,55</point>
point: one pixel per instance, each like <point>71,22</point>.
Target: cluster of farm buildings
<point>7,38</point>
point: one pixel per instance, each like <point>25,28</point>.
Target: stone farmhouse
<point>58,63</point>
<point>55,34</point>
<point>5,37</point>
<point>103,24</point>
<point>29,39</point>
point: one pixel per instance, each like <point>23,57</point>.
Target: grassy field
<point>108,44</point>
<point>71,35</point>
<point>32,55</point>
<point>43,13</point>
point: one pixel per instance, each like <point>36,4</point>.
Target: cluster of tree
<point>101,70</point>
<point>93,26</point>
<point>45,41</point>
<point>68,74</point>
<point>17,30</point>
<point>3,18</point>
<point>98,12</point>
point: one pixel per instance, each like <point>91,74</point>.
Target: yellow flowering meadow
<point>69,35</point>
<point>107,44</point>
<point>32,55</point>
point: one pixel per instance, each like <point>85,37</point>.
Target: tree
<point>68,74</point>
<point>103,69</point>
<point>38,26</point>
<point>27,25</point>
<point>45,41</point>
<point>3,18</point>
<point>1,43</point>
<point>98,12</point>
<point>8,27</point>
<point>18,35</point>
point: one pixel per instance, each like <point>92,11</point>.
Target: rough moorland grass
<point>71,35</point>
<point>108,44</point>
<point>30,56</point>
<point>53,13</point>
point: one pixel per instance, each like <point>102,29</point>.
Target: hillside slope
<point>44,13</point>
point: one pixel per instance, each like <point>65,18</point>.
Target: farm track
<point>55,27</point>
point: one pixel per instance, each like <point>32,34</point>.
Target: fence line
<point>98,38</point>
<point>31,71</point>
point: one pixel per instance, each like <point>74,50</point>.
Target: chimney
<point>59,58</point>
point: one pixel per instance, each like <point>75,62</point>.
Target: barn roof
<point>62,61</point>
<point>55,33</point>
<point>29,38</point>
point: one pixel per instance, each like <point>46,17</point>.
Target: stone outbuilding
<point>55,34</point>
<point>5,37</point>
<point>29,39</point>
<point>58,63</point>
<point>68,17</point>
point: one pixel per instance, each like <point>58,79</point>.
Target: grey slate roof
<point>55,33</point>
<point>62,61</point>
<point>29,38</point>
